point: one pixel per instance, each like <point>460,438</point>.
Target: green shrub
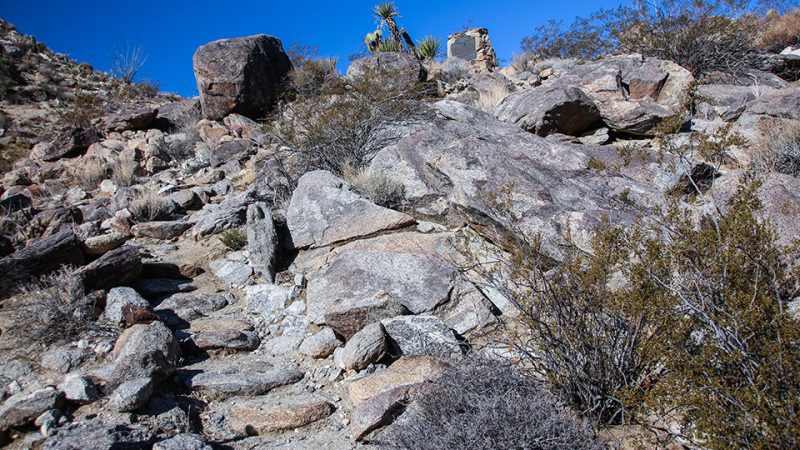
<point>234,239</point>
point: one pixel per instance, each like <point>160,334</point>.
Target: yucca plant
<point>385,13</point>
<point>429,48</point>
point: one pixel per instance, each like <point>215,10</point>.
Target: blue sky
<point>170,32</point>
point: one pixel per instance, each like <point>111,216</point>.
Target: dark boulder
<point>41,257</point>
<point>396,69</point>
<point>119,267</point>
<point>242,75</point>
<point>70,143</point>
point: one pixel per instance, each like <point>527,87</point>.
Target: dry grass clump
<point>123,170</point>
<point>91,172</point>
<point>778,151</point>
<point>488,99</point>
<point>488,405</point>
<point>383,190</point>
<point>521,62</point>
<point>780,31</point>
<point>52,309</point>
<point>148,206</point>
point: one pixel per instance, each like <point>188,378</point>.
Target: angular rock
<point>132,315</point>
<point>324,211</point>
<point>70,143</point>
<point>283,345</point>
<point>119,267</point>
<point>233,272</point>
<point>227,339</point>
<point>144,351</point>
<point>225,385</point>
<point>230,151</point>
<point>408,267</point>
<point>96,434</point>
<point>100,245</point>
<point>152,287</point>
<point>189,306</point>
<point>347,317</point>
<point>421,335</point>
<point>15,202</point>
<point>131,395</point>
<point>266,299</point>
<point>160,230</point>
<point>174,115</point>
<point>321,344</point>
<point>23,408</point>
<point>63,359</point>
<point>364,348</point>
<point>396,69</point>
<point>138,119</point>
<point>273,413</point>
<point>78,389</point>
<point>262,240</point>
<point>185,441</point>
<point>242,76</point>
<point>379,410</point>
<point>120,297</point>
<point>217,218</point>
<point>550,109</point>
<point>406,371</point>
<point>41,257</point>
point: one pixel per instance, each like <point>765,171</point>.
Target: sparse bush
<point>701,35</point>
<point>148,206</point>
<point>52,309</point>
<point>234,238</point>
<point>487,405</point>
<point>183,148</point>
<point>91,172</point>
<point>522,61</point>
<point>311,75</point>
<point>123,170</point>
<point>778,151</point>
<point>780,31</point>
<point>128,63</point>
<point>80,111</point>
<point>381,189</point>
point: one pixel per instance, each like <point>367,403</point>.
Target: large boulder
<point>277,413</point>
<point>119,267</point>
<point>550,109</point>
<point>324,210</point>
<point>396,69</point>
<point>144,351</point>
<point>262,240</point>
<point>415,270</point>
<point>70,143</point>
<point>242,75</point>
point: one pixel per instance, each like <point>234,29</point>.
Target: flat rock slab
<point>182,308</point>
<point>226,339</point>
<point>160,230</point>
<point>243,382</point>
<point>324,211</point>
<point>233,272</point>
<point>379,410</point>
<point>408,267</point>
<point>277,413</point>
<point>138,119</point>
<point>406,371</point>
<point>24,408</point>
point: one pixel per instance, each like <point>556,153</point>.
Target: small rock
<point>235,273</point>
<point>100,245</point>
<point>321,344</point>
<point>63,359</point>
<point>227,339</point>
<point>262,240</point>
<point>406,371</point>
<point>118,298</point>
<point>421,335</point>
<point>272,413</point>
<point>364,348</point>
<point>23,408</point>
<point>131,395</point>
<point>225,385</point>
<point>160,230</point>
<point>185,441</point>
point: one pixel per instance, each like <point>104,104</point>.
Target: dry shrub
<point>487,405</point>
<point>90,172</point>
<point>148,206</point>
<point>488,99</point>
<point>521,62</point>
<point>183,147</point>
<point>123,170</point>
<point>383,190</point>
<point>52,309</point>
<point>778,151</point>
<point>80,111</point>
<point>780,31</point>
<point>700,35</point>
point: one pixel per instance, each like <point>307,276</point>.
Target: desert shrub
<point>81,110</point>
<point>52,309</point>
<point>234,238</point>
<point>185,143</point>
<point>522,61</point>
<point>333,132</point>
<point>91,172</point>
<point>778,151</point>
<point>487,405</point>
<point>123,170</point>
<point>312,75</point>
<point>381,189</point>
<point>149,205</point>
<point>780,31</point>
<point>676,315</point>
<point>701,35</point>
<point>128,63</point>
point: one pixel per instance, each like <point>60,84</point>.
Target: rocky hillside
<point>226,272</point>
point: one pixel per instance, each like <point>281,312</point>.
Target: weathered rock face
<point>241,75</point>
<point>397,69</point>
<point>119,267</point>
<point>43,256</point>
<point>406,371</point>
<point>324,211</point>
<point>262,240</point>
<point>550,109</point>
<point>70,143</point>
<point>364,348</point>
<point>408,267</point>
<point>23,408</point>
<point>273,413</point>
<point>465,157</point>
<point>473,46</point>
<point>129,120</point>
<point>421,335</point>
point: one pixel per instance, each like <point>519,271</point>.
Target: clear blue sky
<point>170,31</point>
